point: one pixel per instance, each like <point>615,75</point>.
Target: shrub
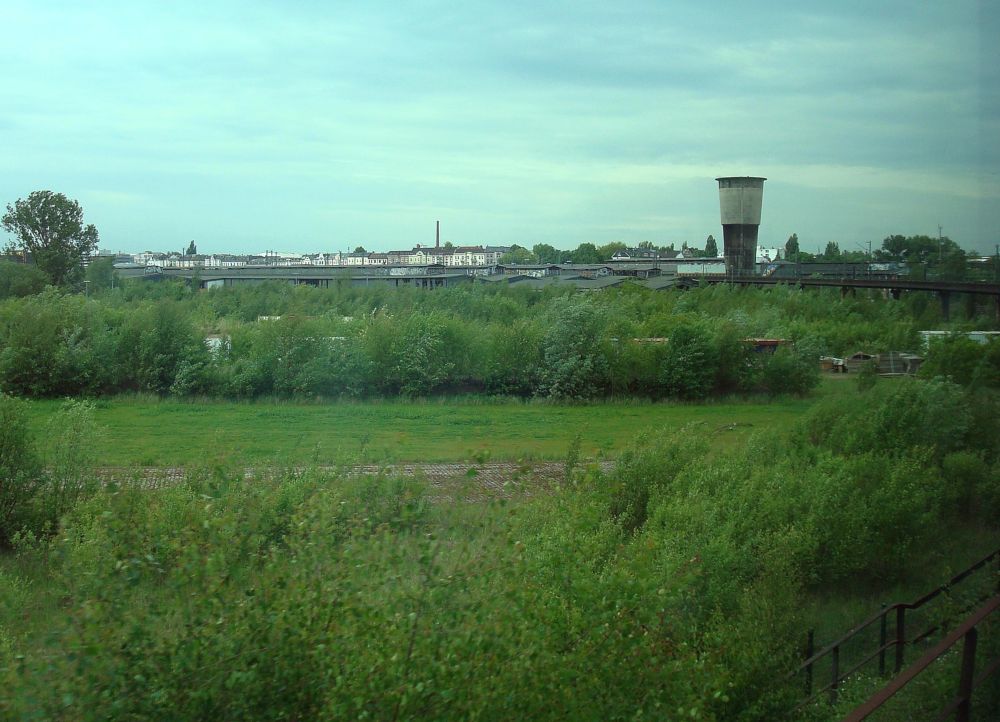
<point>962,360</point>
<point>788,372</point>
<point>513,358</point>
<point>574,364</point>
<point>690,363</point>
<point>19,279</point>
<point>20,469</point>
<point>893,418</point>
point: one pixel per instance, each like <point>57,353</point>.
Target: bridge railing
<point>960,706</point>
<point>856,649</point>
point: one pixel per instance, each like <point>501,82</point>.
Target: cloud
<point>566,120</point>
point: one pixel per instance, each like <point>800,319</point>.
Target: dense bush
<point>19,279</point>
<point>690,363</point>
<point>351,341</point>
<point>962,360</point>
<point>20,468</point>
<point>574,364</point>
<point>41,479</point>
<point>668,587</point>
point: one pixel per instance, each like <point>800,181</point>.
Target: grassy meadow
<point>144,431</point>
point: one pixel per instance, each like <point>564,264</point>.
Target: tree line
<point>941,256</point>
<point>590,253</point>
<point>166,339</point>
<point>560,346</point>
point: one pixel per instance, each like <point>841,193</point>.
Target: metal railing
<point>961,705</point>
<point>897,641</point>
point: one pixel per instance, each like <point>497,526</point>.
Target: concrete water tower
<point>740,199</point>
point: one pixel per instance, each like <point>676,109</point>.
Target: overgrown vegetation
<point>39,482</point>
<point>667,588</point>
<point>353,342</point>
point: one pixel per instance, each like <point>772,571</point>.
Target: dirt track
<point>472,480</point>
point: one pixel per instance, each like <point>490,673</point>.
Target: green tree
<point>516,254</point>
<point>689,363</point>
<point>920,248</point>
<point>792,247</point>
<point>360,249</point>
<point>832,252</point>
<point>586,253</point>
<point>191,249</point>
<point>646,245</point>
<point>101,273</point>
<point>609,249</point>
<point>546,253</point>
<point>941,254</point>
<point>574,366</point>
<point>20,468</point>
<point>49,226</point>
<point>711,247</point>
<point>19,279</point>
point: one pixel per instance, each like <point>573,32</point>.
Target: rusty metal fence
<point>960,706</point>
<point>860,648</point>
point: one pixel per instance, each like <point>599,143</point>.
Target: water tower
<point>740,199</point>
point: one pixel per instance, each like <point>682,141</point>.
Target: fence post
<point>881,643</point>
<point>835,673</point>
<point>900,636</point>
<point>965,682</point>
<point>809,668</point>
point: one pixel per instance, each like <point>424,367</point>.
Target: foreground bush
<point>670,587</point>
<point>43,478</point>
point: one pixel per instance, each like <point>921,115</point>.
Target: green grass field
<point>148,432</point>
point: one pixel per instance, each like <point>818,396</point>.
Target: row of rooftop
<point>457,256</point>
<point>654,275</point>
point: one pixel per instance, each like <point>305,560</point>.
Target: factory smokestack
<point>740,199</point>
<point>437,234</point>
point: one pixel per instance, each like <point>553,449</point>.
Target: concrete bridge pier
<point>945,297</point>
<point>844,290</point>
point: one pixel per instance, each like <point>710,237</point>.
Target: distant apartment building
<point>464,256</point>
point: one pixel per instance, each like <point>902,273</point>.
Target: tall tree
<point>792,247</point>
<point>711,247</point>
<point>832,252</point>
<point>50,227</point>
<point>920,248</point>
<point>101,273</point>
<point>518,255</point>
<point>360,249</point>
<point>586,253</point>
<point>546,253</point>
<point>609,249</point>
<point>192,249</point>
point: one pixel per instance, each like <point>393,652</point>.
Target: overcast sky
<point>319,126</point>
